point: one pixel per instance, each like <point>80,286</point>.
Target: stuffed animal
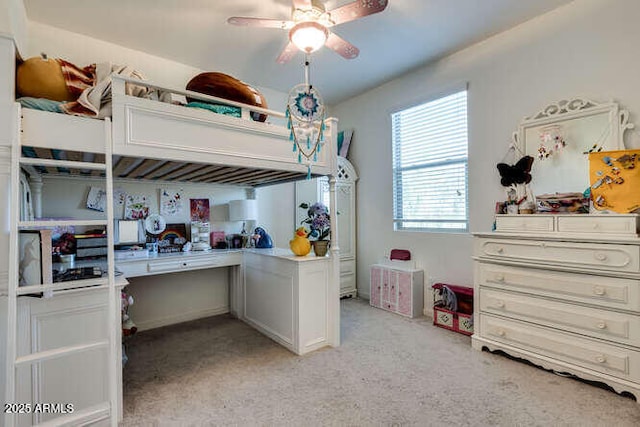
<point>227,87</point>
<point>262,238</point>
<point>300,245</point>
<point>41,77</point>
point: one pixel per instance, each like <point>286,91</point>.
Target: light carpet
<point>389,370</point>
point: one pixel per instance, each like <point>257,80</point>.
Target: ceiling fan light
<point>308,36</point>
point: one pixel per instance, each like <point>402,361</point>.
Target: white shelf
<point>57,223</point>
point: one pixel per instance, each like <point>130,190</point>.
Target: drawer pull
<point>500,303</point>
<point>500,250</point>
<point>184,264</point>
<point>595,225</point>
<point>601,325</point>
<point>601,358</point>
<point>502,333</point>
<point>600,256</point>
<point>599,290</point>
<point>500,278</point>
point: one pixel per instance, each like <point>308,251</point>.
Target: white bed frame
<point>148,129</point>
<point>151,129</point>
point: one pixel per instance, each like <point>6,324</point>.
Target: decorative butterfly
<point>516,174</point>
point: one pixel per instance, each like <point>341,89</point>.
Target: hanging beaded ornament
<point>305,121</point>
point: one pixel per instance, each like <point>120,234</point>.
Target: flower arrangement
<point>318,221</point>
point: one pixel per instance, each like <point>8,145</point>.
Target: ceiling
<point>408,34</point>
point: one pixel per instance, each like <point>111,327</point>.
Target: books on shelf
<point>91,245</point>
<point>35,259</point>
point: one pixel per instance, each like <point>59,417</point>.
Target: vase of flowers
<point>319,223</point>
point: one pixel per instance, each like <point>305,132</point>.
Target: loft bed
<point>162,141</point>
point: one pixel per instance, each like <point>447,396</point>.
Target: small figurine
<point>262,238</point>
<point>300,245</point>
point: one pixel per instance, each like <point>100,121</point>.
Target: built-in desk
<point>179,261</point>
<point>286,297</point>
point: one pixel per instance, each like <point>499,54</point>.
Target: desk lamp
<point>243,210</point>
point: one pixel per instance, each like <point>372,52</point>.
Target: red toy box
<point>460,320</point>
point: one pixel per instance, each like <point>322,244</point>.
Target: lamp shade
<point>308,36</point>
<point>243,210</point>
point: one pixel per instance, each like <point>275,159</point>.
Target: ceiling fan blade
<point>302,4</point>
<point>288,52</point>
<point>260,22</point>
<point>357,9</point>
<point>342,47</point>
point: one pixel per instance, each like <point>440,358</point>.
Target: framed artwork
<point>136,207</point>
<point>199,210</point>
<point>171,202</point>
<point>97,199</point>
<point>35,265</point>
<point>172,238</point>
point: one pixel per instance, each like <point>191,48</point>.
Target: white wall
<point>587,48</point>
<point>275,207</point>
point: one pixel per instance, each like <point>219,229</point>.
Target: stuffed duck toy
<point>300,245</point>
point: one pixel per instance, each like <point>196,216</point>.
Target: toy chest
<point>460,320</point>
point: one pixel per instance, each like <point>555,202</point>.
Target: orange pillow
<point>42,78</point>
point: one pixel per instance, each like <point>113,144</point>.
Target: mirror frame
<point>564,110</point>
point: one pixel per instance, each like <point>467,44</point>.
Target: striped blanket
<point>92,86</point>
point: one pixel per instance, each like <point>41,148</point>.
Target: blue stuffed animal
<point>263,240</point>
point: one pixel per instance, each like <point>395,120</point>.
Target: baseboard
<point>182,317</point>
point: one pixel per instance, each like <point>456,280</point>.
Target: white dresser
<point>562,291</point>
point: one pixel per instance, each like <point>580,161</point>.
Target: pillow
<point>42,78</point>
<point>227,87</point>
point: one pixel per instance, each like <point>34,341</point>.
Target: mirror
<point>559,138</point>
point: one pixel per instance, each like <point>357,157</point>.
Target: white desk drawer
<point>608,292</point>
<point>586,255</point>
<point>598,356</point>
<point>524,223</point>
<point>594,322</point>
<point>165,266</point>
<point>598,224</point>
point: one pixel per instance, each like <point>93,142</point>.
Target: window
<point>430,152</point>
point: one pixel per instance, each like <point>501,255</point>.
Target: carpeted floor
<point>388,371</point>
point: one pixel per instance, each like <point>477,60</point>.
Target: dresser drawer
<point>598,356</point>
<point>585,255</point>
<point>609,292</point>
<point>524,223</point>
<point>598,224</point>
<point>598,323</point>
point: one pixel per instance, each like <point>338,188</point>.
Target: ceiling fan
<point>310,23</point>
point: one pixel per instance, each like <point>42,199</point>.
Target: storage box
<point>459,321</point>
<point>452,320</point>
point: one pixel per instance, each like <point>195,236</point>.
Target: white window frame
<point>399,220</point>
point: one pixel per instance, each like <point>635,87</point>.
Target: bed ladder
<point>34,401</point>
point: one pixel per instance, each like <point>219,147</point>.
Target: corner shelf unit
<point>47,358</point>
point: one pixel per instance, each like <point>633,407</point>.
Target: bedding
<point>41,83</point>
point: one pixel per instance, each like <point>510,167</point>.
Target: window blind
<point>430,164</point>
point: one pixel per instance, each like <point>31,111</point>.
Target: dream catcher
<point>305,119</point>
